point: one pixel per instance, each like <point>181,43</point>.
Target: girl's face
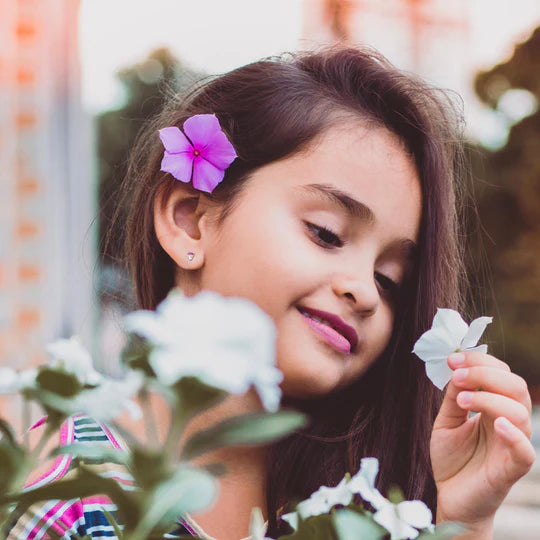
<point>331,229</point>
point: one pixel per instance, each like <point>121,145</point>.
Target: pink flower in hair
<point>200,154</point>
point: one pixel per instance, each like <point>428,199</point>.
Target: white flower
<point>12,381</point>
<point>106,401</point>
<point>320,502</point>
<point>324,499</point>
<point>73,358</point>
<point>363,482</point>
<point>292,519</point>
<point>399,519</point>
<point>449,333</point>
<point>257,526</point>
<point>228,343</point>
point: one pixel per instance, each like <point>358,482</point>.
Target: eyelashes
<point>328,239</point>
<point>324,236</point>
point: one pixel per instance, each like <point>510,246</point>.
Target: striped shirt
<point>78,518</point>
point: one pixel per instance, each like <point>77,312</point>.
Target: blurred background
<point>79,77</point>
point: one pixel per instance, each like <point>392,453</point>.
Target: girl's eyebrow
<point>355,209</point>
<point>352,207</point>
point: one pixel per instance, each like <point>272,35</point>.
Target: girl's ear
<point>180,219</point>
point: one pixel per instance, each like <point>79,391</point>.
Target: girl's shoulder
<point>77,517</point>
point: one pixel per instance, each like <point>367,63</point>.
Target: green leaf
<point>194,396</point>
<point>114,524</point>
<point>189,489</point>
<point>251,429</point>
<point>444,531</point>
<point>9,434</point>
<point>92,454</point>
<point>215,469</point>
<point>58,382</point>
<point>149,467</point>
<point>11,461</point>
<point>351,525</point>
<point>395,495</point>
<point>314,528</point>
<point>135,354</point>
<point>86,483</point>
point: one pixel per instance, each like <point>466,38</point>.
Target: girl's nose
<point>362,293</point>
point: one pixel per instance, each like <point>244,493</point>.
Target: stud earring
<point>190,255</point>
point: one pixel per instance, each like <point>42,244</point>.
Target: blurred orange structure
<point>45,195</point>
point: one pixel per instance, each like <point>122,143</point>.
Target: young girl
<point>340,205</point>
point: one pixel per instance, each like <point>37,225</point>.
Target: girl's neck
<point>244,484</point>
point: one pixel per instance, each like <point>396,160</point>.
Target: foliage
<point>165,483</point>
<point>507,185</point>
<point>146,85</point>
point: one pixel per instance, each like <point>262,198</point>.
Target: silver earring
<point>190,255</point>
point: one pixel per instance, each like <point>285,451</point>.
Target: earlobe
<point>177,219</point>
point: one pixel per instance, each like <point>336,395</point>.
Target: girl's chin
<point>314,382</point>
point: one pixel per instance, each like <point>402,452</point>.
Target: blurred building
<point>46,193</point>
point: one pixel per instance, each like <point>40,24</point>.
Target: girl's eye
<point>323,236</point>
<point>389,286</point>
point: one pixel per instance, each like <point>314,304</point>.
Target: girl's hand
<point>477,460</point>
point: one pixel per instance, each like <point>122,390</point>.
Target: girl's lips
<point>340,335</point>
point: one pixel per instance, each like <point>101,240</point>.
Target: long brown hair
<point>270,110</point>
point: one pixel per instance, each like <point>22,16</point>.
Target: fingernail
<point>460,374</point>
<point>457,359</point>
<point>465,398</point>
<point>504,425</point>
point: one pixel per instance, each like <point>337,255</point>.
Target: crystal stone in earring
<point>190,255</point>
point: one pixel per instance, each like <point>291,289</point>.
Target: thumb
<point>451,415</point>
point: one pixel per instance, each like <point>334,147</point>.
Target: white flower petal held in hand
<point>449,333</point>
<point>73,358</point>
<point>226,342</point>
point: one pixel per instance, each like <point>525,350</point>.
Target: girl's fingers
<point>521,449</point>
<point>451,415</point>
<point>495,405</point>
<point>470,359</point>
<point>493,380</point>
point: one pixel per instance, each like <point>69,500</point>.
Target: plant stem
<point>47,434</point>
<point>176,427</point>
<point>149,417</point>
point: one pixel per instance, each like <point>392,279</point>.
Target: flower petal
<point>219,151</point>
<point>145,324</point>
<point>476,329</point>
<point>438,372</point>
<point>388,517</point>
<point>205,176</point>
<point>174,140</point>
<point>415,513</point>
<point>444,337</point>
<point>292,519</point>
<point>8,380</point>
<point>451,320</point>
<point>363,482</point>
<point>479,348</point>
<point>179,165</point>
<point>434,345</point>
<point>201,128</point>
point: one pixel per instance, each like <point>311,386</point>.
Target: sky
<point>209,35</point>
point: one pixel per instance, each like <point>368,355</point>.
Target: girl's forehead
<point>353,156</point>
<point>363,174</point>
